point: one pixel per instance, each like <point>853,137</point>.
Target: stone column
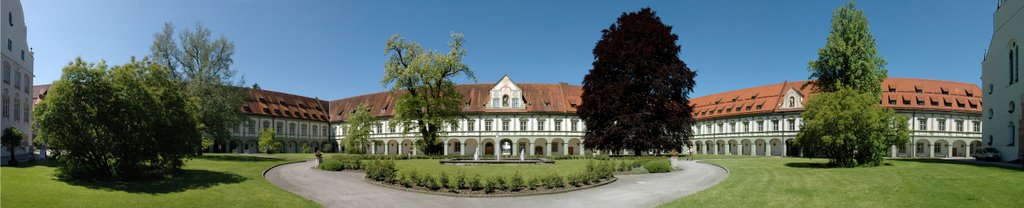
<point>565,148</point>
<point>400,151</point>
<point>373,148</point>
<point>783,148</point>
<point>949,150</point>
<point>753,149</point>
<point>728,149</point>
<point>967,151</point>
<point>515,148</point>
<point>386,147</point>
<point>892,151</point>
<point>930,149</point>
<point>581,148</point>
<point>548,149</point>
<point>913,149</point>
<point>446,148</point>
<point>768,149</point>
<point>533,151</point>
<point>462,148</point>
<point>413,148</point>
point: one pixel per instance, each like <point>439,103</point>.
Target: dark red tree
<point>636,96</point>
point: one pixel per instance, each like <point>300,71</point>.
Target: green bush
<point>552,181</point>
<point>516,183</point>
<point>460,179</point>
<point>658,166</point>
<point>433,183</point>
<point>443,180</point>
<point>490,185</point>
<point>404,180</point>
<point>474,183</point>
<point>332,165</point>
<point>381,170</point>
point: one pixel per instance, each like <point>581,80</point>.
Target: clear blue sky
<point>335,49</point>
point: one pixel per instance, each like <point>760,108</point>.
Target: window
<point>902,148</point>
<point>920,148</point>
<point>920,102</point>
<point>10,45</point>
<point>472,125</point>
<point>760,126</point>
<point>22,55</point>
<point>540,124</point>
<point>959,125</point>
<point>17,80</point>
<point>291,128</point>
<point>304,130</point>
<point>250,126</point>
<point>739,126</point>
<point>792,102</point>
<point>938,147</point>
<point>266,125</point>
<point>558,125</point>
<point>1012,132</point>
<point>792,124</point>
<point>922,124</point>
<point>942,125</point>
<point>316,131</point>
<point>487,124</point>
<point>515,103</point>
<point>990,88</point>
<point>7,72</point>
<point>775,125</point>
<point>573,125</point>
<point>28,83</point>
<point>990,112</point>
<point>522,125</point>
<point>279,128</point>
<point>758,107</point>
<point>1011,67</point>
<point>504,124</point>
<point>892,102</point>
<point>504,101</point>
<point>976,125</point>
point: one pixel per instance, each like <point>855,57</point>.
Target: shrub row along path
<point>347,189</point>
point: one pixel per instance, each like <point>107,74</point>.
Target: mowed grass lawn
<point>801,182</point>
<point>433,167</point>
<point>214,180</point>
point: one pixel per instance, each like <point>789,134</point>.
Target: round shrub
<point>658,166</point>
<point>332,165</point>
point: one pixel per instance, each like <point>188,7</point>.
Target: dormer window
<point>792,102</point>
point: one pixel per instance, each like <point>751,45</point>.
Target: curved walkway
<point>347,189</point>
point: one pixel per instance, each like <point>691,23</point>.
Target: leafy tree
<point>850,129</point>
<point>358,132</point>
<point>850,58</point>
<point>636,96</point>
<point>267,143</point>
<point>124,122</point>
<point>11,139</point>
<point>428,99</point>
<point>203,65</point>
<point>844,122</point>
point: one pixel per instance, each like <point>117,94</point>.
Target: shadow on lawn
<point>957,162</point>
<point>239,158</point>
<point>821,165</point>
<point>180,181</point>
<point>45,163</point>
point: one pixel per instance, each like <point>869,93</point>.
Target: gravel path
<point>347,189</point>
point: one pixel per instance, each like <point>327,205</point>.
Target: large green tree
<point>11,139</point>
<point>123,122</point>
<point>267,144</point>
<point>428,100</point>
<point>357,133</point>
<point>850,58</point>
<point>844,122</point>
<point>850,129</point>
<point>636,95</point>
<point>203,65</point>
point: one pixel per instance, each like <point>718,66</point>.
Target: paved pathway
<point>347,189</point>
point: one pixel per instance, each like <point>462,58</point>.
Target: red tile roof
<point>962,97</point>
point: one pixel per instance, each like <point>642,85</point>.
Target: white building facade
<point>944,119</point>
<point>17,63</point>
<point>1001,80</point>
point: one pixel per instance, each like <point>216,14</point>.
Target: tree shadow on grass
<point>958,162</point>
<point>820,165</point>
<point>180,181</point>
<point>36,163</point>
<point>239,158</point>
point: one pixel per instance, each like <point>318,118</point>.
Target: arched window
<point>1012,133</point>
<point>10,19</point>
<point>1012,107</point>
<point>1010,69</point>
<point>792,102</point>
<point>504,101</point>
<point>266,125</point>
<point>1017,62</point>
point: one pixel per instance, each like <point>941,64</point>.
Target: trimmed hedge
<point>658,166</point>
<point>382,170</point>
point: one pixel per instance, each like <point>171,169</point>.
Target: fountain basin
<point>540,161</point>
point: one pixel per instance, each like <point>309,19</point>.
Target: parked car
<point>990,154</point>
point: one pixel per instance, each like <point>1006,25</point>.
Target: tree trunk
<point>13,161</point>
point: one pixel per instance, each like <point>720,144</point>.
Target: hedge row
<point>385,172</point>
<point>341,164</point>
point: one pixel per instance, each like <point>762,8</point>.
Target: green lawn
<point>214,180</point>
<point>801,182</point>
<point>433,167</point>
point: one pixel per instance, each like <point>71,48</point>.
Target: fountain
<point>497,158</point>
<point>521,156</point>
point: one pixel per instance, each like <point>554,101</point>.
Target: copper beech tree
<point>636,96</point>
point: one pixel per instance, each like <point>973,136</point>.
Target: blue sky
<point>335,49</point>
